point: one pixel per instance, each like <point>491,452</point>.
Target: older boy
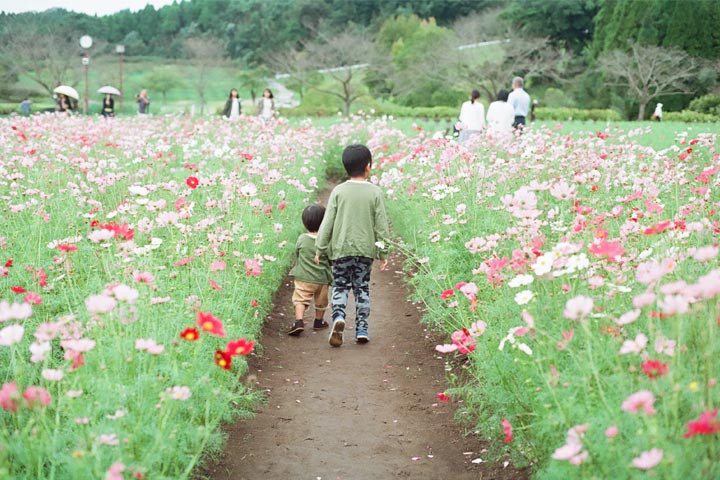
<point>353,233</point>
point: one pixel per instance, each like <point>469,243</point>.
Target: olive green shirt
<point>355,222</point>
<point>305,269</point>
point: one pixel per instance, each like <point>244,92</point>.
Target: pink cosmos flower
<point>100,303</point>
<point>252,268</point>
<point>143,277</point>
<point>611,250</point>
<point>14,311</point>
<point>611,431</point>
<point>11,335</point>
<point>215,285</point>
<point>634,346</point>
<point>33,298</point>
<point>578,307</point>
<point>477,328</point>
<point>643,299</point>
<point>9,397</point>
<point>673,305</point>
<point>628,317</point>
<point>643,399</point>
<point>703,254</point>
<point>178,393</point>
<point>184,261</point>
<point>156,300</point>
<point>648,460</point>
<point>464,341</point>
<point>108,439</point>
<point>446,348</point>
<point>149,345</point>
<point>36,396</point>
<point>81,345</point>
<point>217,266</point>
<point>115,471</point>
<point>663,345</point>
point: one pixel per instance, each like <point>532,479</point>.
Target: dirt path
<point>355,412</point>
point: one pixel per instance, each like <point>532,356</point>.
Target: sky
<point>91,7</point>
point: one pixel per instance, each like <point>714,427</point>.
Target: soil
<point>358,411</point>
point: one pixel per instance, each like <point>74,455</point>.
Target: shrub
<point>691,116</point>
<point>706,104</point>
<point>577,114</point>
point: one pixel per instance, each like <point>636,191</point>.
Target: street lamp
<point>86,42</point>
<point>120,50</point>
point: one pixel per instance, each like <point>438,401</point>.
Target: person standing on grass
<point>266,105</point>
<point>311,280</point>
<point>500,115</point>
<point>25,106</point>
<point>472,116</point>
<point>520,101</point>
<point>233,108</point>
<point>353,233</point>
<point>143,102</point>
<point>108,109</point>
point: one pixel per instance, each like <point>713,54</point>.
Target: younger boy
<point>311,279</point>
<point>353,233</point>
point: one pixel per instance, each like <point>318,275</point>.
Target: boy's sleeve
<point>382,231</point>
<point>322,242</point>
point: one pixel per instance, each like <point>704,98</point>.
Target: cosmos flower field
<point>574,280</point>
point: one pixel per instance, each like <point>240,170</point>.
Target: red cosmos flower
<point>191,166</point>
<point>240,347</point>
<point>254,303</point>
<point>223,359</point>
<point>607,249</point>
<point>190,334</point>
<point>654,368</point>
<point>18,289</point>
<point>120,231</point>
<point>507,430</point>
<point>192,182</point>
<point>9,264</point>
<point>210,324</point>
<point>657,228</point>
<point>66,247</point>
<point>447,294</point>
<point>94,224</point>
<point>443,397</point>
<point>705,425</point>
<point>36,396</point>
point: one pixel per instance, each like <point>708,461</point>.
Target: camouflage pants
<point>352,272</point>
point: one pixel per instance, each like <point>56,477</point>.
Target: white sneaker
<point>336,334</point>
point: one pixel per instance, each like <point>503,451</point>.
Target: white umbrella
<point>110,90</point>
<point>67,91</point>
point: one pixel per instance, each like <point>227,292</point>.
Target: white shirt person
<point>520,101</point>
<point>500,115</point>
<point>472,116</point>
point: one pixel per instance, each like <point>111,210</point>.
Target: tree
<point>163,80</point>
<point>204,54</point>
<point>46,58</point>
<point>253,79</point>
<point>650,72</point>
<point>340,59</point>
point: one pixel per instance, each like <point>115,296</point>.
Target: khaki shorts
<point>305,292</point>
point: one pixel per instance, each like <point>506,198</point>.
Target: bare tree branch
<point>205,54</point>
<point>650,72</point>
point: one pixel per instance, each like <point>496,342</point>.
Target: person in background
<point>143,102</point>
<point>233,108</point>
<point>108,106</point>
<point>500,115</point>
<point>472,117</point>
<point>312,281</point>
<point>266,105</point>
<point>520,101</point>
<point>63,103</point>
<point>25,106</point>
<point>657,114</point>
<point>353,233</point>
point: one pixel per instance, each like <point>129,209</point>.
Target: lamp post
<point>120,50</point>
<point>86,42</point>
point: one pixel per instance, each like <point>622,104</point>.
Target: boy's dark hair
<point>502,95</point>
<point>355,158</point>
<point>312,217</point>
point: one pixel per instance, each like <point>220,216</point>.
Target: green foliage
<point>163,80</point>
<point>688,25</point>
<point>567,22</point>
<point>709,104</point>
<point>543,113</point>
<point>556,98</point>
<point>691,116</point>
